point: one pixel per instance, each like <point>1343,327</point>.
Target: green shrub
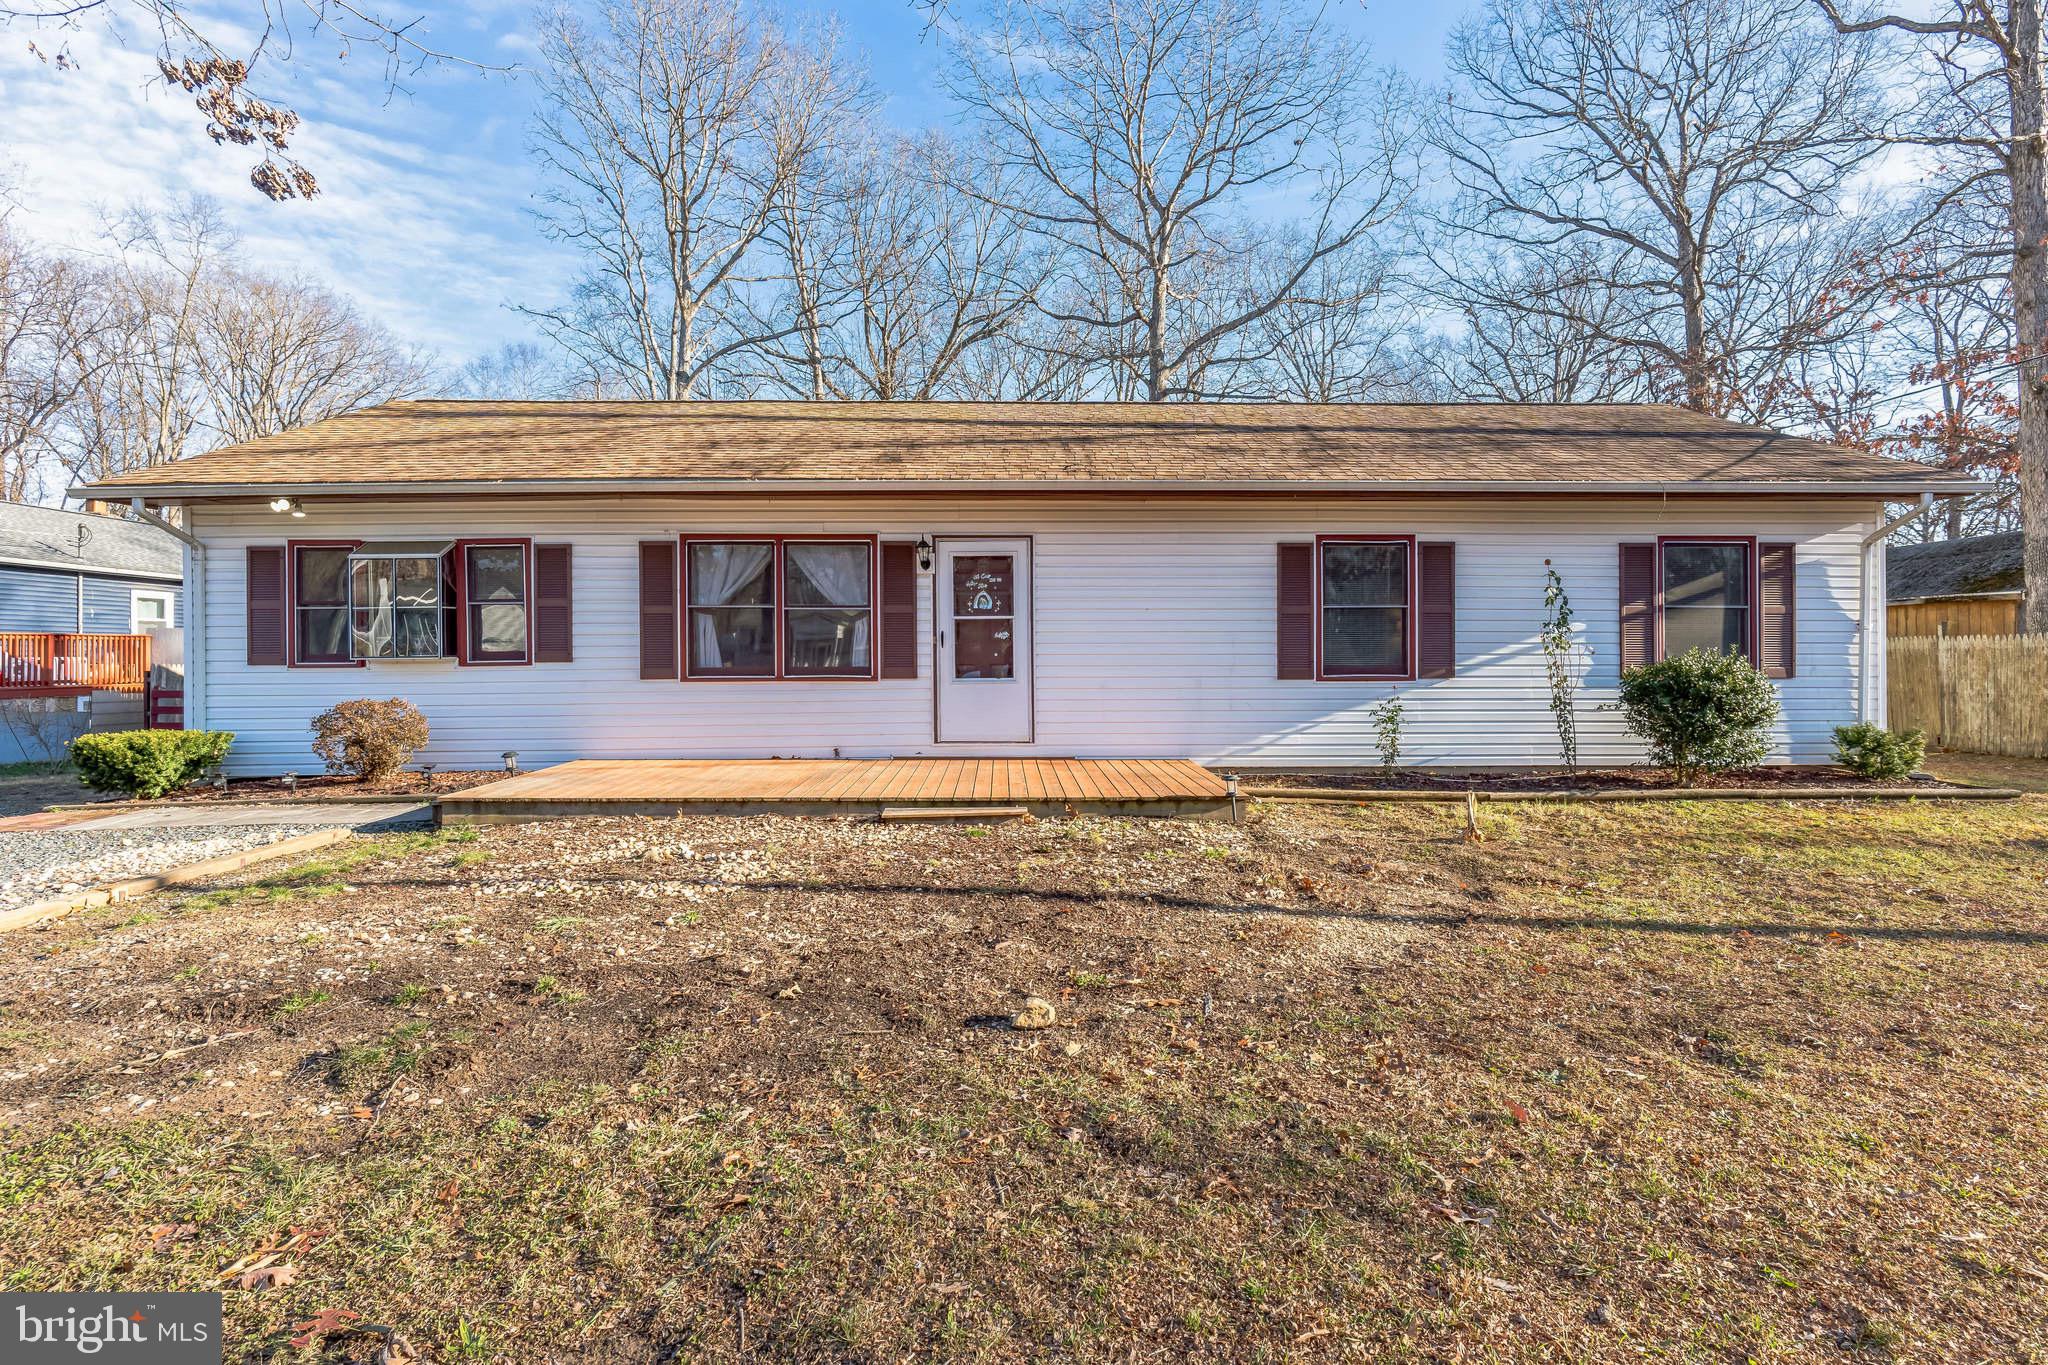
<point>147,762</point>
<point>371,739</point>
<point>1700,711</point>
<point>1873,751</point>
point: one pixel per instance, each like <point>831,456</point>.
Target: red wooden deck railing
<point>41,664</point>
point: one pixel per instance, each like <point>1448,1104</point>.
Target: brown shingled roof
<point>1103,446</point>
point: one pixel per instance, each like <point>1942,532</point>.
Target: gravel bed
<point>38,864</point>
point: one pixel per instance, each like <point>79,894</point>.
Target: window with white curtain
<point>731,592</point>
<point>828,617</point>
<point>779,608</point>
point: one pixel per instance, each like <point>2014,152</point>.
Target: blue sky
<point>423,219</point>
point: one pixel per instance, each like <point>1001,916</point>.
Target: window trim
<point>460,550</point>
<point>136,596</point>
<point>292,607</point>
<point>778,573</point>
<point>1753,612</point>
<point>1410,645</point>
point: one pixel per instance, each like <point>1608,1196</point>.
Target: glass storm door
<point>983,599</point>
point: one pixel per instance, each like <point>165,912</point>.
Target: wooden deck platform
<point>849,786</point>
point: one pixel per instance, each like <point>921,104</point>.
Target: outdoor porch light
<point>924,554</point>
<point>291,505</point>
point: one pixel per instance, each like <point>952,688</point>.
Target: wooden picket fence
<point>1985,694</point>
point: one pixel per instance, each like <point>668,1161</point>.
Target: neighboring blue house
<point>86,572</point>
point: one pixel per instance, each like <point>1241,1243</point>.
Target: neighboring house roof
<point>50,538</point>
<point>424,445</point>
<point>1979,566</point>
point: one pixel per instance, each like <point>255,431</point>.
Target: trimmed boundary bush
<point>1873,751</point>
<point>1702,711</point>
<point>147,762</point>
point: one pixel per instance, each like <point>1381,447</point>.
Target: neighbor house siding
<point>48,600</point>
<point>1155,627</point>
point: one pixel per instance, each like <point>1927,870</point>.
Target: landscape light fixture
<point>291,505</point>
<point>511,757</point>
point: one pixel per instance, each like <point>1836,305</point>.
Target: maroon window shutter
<point>899,610</point>
<point>269,612</point>
<point>1297,611</point>
<point>1779,627</point>
<point>553,617</point>
<point>1436,628</point>
<point>1638,605</point>
<point>657,609</point>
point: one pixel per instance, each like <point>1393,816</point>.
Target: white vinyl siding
<point>1154,619</point>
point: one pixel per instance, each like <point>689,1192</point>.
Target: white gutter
<point>154,520</point>
<point>1871,680</point>
<point>1078,486</point>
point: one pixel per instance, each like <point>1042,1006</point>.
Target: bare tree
<point>142,401</point>
<point>1136,138</point>
<point>1349,341</point>
<point>275,354</point>
<point>673,129</point>
<point>194,53</point>
<point>1700,152</point>
<point>519,369</point>
<point>1986,111</point>
<point>52,312</point>
<point>897,277</point>
<point>1538,327</point>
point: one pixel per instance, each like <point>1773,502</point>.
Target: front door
<point>982,602</point>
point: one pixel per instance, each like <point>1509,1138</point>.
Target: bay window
<point>1365,593</point>
<point>395,601</point>
<point>1704,596</point>
<point>774,607</point>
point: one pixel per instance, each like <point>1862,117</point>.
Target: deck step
<point>953,812</point>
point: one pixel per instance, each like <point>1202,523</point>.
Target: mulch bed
<point>322,784</point>
<point>1586,779</point>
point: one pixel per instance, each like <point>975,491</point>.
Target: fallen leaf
<point>164,1234</point>
<point>267,1277</point>
<point>324,1323</point>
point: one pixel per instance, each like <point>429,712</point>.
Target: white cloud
<point>421,216</point>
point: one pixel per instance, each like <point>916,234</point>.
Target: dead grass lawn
<point>1709,1081</point>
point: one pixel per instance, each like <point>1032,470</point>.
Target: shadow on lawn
<point>1419,918</point>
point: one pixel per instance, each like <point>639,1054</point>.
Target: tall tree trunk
<point>1155,339</point>
<point>2029,174</point>
<point>1692,292</point>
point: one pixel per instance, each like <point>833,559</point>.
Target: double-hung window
<point>1365,589</point>
<point>395,600</point>
<point>496,596</point>
<point>771,607</point>
<point>1704,589</point>
<point>320,604</point>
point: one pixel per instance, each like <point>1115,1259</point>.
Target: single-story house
<point>1971,586</point>
<point>1237,583</point>
<point>85,572</point>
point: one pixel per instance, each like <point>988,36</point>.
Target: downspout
<point>1875,634</point>
<point>193,609</point>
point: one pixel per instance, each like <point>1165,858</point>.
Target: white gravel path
<point>38,864</point>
